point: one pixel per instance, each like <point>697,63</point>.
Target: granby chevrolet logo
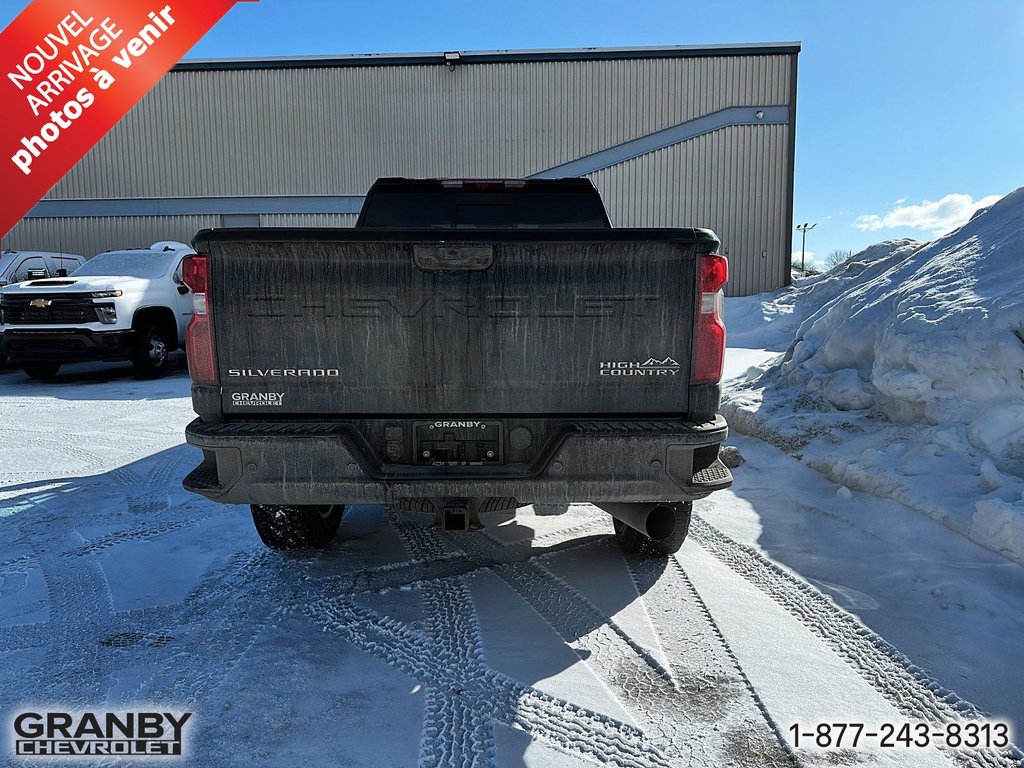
<point>40,303</point>
<point>91,734</point>
<point>257,399</point>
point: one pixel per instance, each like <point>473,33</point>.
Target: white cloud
<point>939,216</point>
<point>869,223</point>
<point>810,261</point>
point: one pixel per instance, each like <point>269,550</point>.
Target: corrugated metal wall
<point>708,181</point>
<point>308,220</point>
<point>334,130</point>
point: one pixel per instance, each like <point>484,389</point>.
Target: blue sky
<point>900,103</point>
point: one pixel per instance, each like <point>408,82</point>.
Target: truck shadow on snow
<point>75,380</point>
<point>395,644</point>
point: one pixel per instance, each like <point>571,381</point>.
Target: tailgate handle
<point>453,258</point>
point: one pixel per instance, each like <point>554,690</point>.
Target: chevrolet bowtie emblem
<point>40,303</point>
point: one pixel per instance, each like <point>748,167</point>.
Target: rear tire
<point>632,541</point>
<point>290,528</point>
<point>41,371</point>
<point>499,504</point>
<point>152,347</point>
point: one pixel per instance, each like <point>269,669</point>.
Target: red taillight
<point>714,272</point>
<point>709,334</point>
<point>194,272</point>
<point>202,365</point>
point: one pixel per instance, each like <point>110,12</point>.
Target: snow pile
<point>771,324</point>
<point>906,375</point>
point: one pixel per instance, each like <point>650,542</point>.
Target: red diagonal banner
<point>69,70</point>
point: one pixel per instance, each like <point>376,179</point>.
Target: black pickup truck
<point>469,345</point>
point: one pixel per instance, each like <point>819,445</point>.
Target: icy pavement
<point>535,643</point>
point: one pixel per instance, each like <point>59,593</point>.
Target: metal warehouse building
<point>679,136</point>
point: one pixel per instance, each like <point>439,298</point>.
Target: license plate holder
<point>462,443</point>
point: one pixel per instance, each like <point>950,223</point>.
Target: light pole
<point>804,228</point>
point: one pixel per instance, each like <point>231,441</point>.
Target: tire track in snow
<point>455,732</point>
<point>210,632</point>
<point>19,564</point>
<point>167,469</point>
<point>596,527</point>
<point>421,543</point>
<point>574,729</point>
<point>670,591</point>
<point>80,662</point>
<point>450,617</point>
<point>414,571</point>
<point>672,716</point>
<point>141,533</point>
<point>127,477</point>
<point>75,589</point>
<point>65,447</point>
<point>220,620</point>
<point>572,615</point>
<point>204,637</point>
<point>906,686</point>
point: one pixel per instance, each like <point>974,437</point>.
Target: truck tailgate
<point>347,322</point>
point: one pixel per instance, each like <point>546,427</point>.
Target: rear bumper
<point>66,346</point>
<point>323,463</point>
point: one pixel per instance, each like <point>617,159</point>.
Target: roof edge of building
<point>490,57</point>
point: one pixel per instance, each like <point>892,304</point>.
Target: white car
<point>120,305</point>
<point>18,266</point>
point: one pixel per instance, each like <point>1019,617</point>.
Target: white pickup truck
<point>19,266</point>
<point>120,305</point>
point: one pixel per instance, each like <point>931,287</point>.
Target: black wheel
<point>307,527</point>
<point>499,504</point>
<point>631,540</point>
<point>152,346</point>
<point>413,504</point>
<point>41,371</point>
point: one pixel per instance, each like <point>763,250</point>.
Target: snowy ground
<point>534,643</point>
